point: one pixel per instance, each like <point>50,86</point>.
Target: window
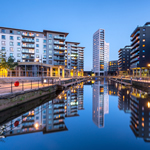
<point>44,46</point>
<point>143,34</point>
<point>37,56</point>
<point>3,37</point>
<point>143,45</point>
<point>49,122</point>
<point>37,34</point>
<point>143,40</point>
<point>18,38</point>
<point>50,61</point>
<point>18,49</point>
<point>37,45</point>
<point>143,56</point>
<point>50,56</point>
<point>3,48</point>
<point>44,56</point>
<point>50,46</point>
<point>37,40</point>
<point>37,117</point>
<point>11,49</point>
<point>44,122</point>
<point>18,32</point>
<point>44,51</point>
<point>11,37</point>
<point>11,43</point>
<point>50,52</point>
<point>44,117</point>
<point>50,35</point>
<point>18,54</point>
<point>143,51</point>
<point>49,117</point>
<point>11,54</point>
<point>3,42</point>
<point>44,41</point>
<point>11,31</point>
<point>37,50</point>
<point>143,29</point>
<point>49,41</point>
<point>18,43</point>
<point>3,31</point>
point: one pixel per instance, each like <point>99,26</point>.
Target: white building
<point>99,48</point>
<point>106,57</point>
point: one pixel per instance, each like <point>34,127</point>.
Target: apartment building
<point>100,53</point>
<point>74,58</point>
<point>38,53</point>
<point>113,67</point>
<point>140,112</point>
<point>140,42</point>
<point>124,60</point>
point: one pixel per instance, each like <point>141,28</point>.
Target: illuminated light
<point>44,80</point>
<point>143,40</point>
<point>36,125</point>
<point>148,104</point>
<point>59,97</point>
<point>148,65</point>
<point>127,92</point>
<point>142,124</point>
<point>142,119</point>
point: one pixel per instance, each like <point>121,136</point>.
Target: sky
<point>80,18</point>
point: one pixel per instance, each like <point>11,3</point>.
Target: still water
<point>95,115</point>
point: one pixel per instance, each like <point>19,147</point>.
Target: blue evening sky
<point>81,18</point>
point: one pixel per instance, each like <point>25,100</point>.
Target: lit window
<point>143,29</point>
<point>18,49</point>
<point>3,36</point>
<point>143,56</point>
<point>18,38</point>
<point>143,40</point>
<point>50,35</point>
<point>143,45</point>
<point>11,43</point>
<point>37,40</point>
<point>11,37</point>
<point>11,49</point>
<point>3,42</point>
<point>18,54</point>
<point>37,56</point>
<point>37,50</point>
<point>50,41</point>
<point>142,124</point>
<point>143,50</point>
<point>142,118</point>
<point>37,34</point>
<point>143,34</point>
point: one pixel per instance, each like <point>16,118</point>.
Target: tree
<point>3,63</point>
<point>11,64</point>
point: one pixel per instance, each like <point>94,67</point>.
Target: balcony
<point>59,43</point>
<point>59,58</point>
<point>28,40</point>
<point>74,62</point>
<point>74,45</point>
<point>59,64</point>
<point>59,48</point>
<point>59,37</point>
<point>57,53</point>
<point>137,33</point>
<point>28,46</point>
<point>74,52</point>
<point>74,49</point>
<point>134,60</point>
<point>135,45</point>
<point>135,50</point>
<point>28,34</point>
<point>27,57</point>
<point>134,55</point>
<point>135,40</point>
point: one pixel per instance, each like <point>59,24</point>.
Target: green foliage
<point>10,64</point>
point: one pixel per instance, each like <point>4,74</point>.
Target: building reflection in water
<point>140,114</point>
<point>48,117</point>
<point>100,102</point>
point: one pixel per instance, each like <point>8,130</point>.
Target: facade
<point>124,60</point>
<point>100,53</point>
<point>74,58</point>
<point>38,53</point>
<point>140,42</point>
<point>113,67</point>
<point>140,112</point>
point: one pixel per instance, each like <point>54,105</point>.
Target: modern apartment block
<point>140,113</point>
<point>140,53</point>
<point>113,67</point>
<point>38,53</point>
<point>100,53</point>
<point>74,58</point>
<point>124,60</point>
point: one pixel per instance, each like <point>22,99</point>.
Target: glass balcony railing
<point>59,48</point>
<point>32,46</point>
<point>59,37</point>
<point>27,57</point>
<point>57,64</point>
<point>28,34</point>
<point>57,53</point>
<point>28,40</point>
<point>74,49</point>
<point>74,52</point>
<point>61,43</point>
<point>58,58</point>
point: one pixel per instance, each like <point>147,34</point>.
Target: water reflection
<point>48,117</point>
<point>100,103</point>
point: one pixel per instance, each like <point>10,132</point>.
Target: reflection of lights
<point>59,97</point>
<point>127,91</point>
<point>36,125</point>
<point>148,104</point>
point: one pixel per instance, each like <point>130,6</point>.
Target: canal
<point>95,115</point>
